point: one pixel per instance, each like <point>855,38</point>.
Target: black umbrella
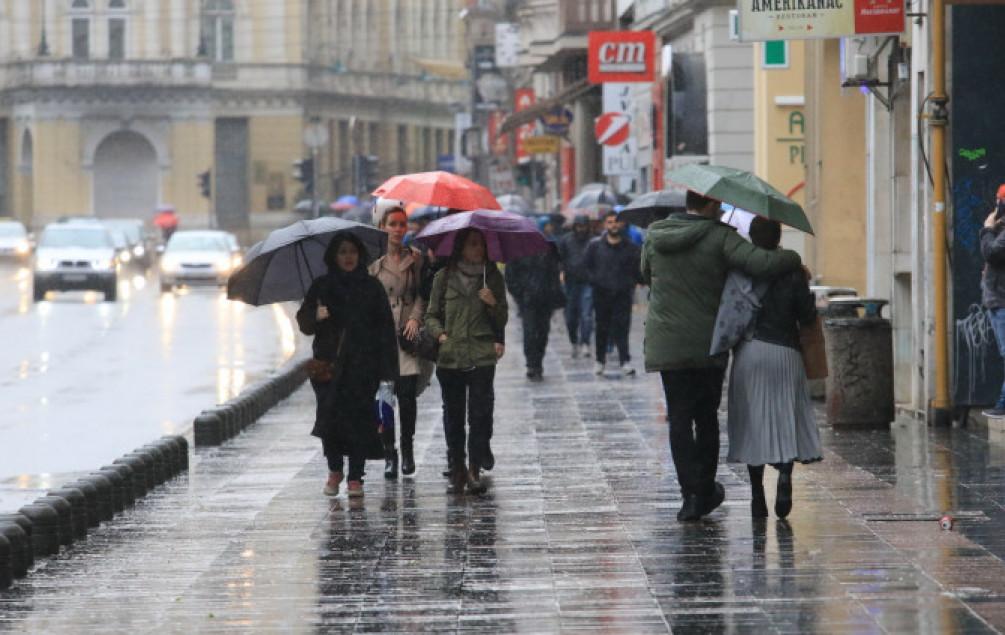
<point>282,267</point>
<point>652,206</point>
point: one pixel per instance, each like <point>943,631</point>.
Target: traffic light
<point>365,174</point>
<point>303,171</point>
<point>371,172</point>
<point>205,188</point>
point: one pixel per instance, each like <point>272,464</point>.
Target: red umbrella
<point>442,189</point>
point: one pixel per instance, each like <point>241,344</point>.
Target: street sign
<point>315,135</point>
<point>507,44</point>
<point>541,144</point>
<point>623,56</point>
<point>806,19</point>
<point>557,120</point>
<point>613,129</point>
<point>523,99</point>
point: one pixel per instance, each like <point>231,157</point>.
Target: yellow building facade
<point>114,107</point>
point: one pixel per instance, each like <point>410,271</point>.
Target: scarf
<point>471,274</point>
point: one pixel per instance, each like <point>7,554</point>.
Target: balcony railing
<point>78,73</point>
<point>578,17</point>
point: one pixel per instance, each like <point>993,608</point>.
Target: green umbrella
<point>744,190</point>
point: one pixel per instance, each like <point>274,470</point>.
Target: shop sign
<point>804,19</point>
<point>523,98</point>
<point>621,56</point>
<point>541,144</point>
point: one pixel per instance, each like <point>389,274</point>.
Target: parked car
<point>141,244</point>
<point>15,242</point>
<point>75,256</point>
<point>198,257</point>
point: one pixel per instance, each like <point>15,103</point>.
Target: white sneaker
<point>627,371</point>
<point>598,368</point>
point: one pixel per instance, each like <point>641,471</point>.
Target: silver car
<point>14,240</point>
<point>75,257</point>
<point>198,258</point>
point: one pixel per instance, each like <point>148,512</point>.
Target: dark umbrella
<point>508,236</point>
<point>652,206</point>
<point>282,267</point>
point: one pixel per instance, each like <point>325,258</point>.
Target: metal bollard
<point>78,509</point>
<point>44,529</point>
<point>209,429</point>
<point>20,548</point>
<point>65,513</point>
<point>6,570</point>
<point>90,492</point>
<point>860,360</point>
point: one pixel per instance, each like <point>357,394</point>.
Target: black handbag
<point>426,346</point>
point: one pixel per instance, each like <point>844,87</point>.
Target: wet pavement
<point>576,534</point>
<point>85,380</point>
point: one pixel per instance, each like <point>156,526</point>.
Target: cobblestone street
<point>576,533</point>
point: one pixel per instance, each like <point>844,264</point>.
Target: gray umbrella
<point>282,267</point>
<point>514,203</point>
<point>652,206</point>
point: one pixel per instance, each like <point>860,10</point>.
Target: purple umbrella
<point>508,236</point>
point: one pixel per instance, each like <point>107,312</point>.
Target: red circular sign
<point>612,128</point>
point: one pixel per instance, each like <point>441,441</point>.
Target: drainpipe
<point>938,119</point>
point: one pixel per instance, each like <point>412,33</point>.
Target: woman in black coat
<point>349,316</point>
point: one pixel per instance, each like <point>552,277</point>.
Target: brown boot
<point>458,479</point>
<point>475,484</point>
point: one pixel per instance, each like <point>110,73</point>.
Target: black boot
<point>391,465</point>
<point>758,506</point>
<point>783,497</point>
<point>689,509</point>
<point>407,458</point>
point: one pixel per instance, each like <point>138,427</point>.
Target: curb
<point>65,514</point>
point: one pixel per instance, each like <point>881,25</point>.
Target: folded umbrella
<point>508,236</point>
<point>282,267</point>
<point>652,206</point>
<point>744,190</point>
<point>438,188</point>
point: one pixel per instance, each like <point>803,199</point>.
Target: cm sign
<point>621,56</point>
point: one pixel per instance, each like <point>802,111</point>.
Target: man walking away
<point>578,293</point>
<point>685,260</point>
<point>613,266</point>
<point>993,281</point>
<point>534,284</point>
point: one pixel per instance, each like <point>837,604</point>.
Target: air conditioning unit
<point>857,59</point>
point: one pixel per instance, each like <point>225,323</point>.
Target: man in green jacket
<point>685,260</point>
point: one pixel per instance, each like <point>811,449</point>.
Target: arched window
<point>218,29</point>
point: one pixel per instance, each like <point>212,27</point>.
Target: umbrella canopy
<point>508,236</point>
<point>344,203</point>
<point>514,203</point>
<point>594,200</point>
<point>744,190</point>
<point>652,206</point>
<point>438,188</point>
<point>282,267</point>
<point>427,213</point>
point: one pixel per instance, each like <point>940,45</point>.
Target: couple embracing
<point>686,260</point>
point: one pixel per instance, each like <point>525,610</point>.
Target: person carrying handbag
<point>355,349</point>
<point>400,272</point>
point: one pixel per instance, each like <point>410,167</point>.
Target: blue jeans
<point>998,324</point>
<point>579,311</point>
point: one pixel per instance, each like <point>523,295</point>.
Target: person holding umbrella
<point>400,271</point>
<point>348,313</point>
<point>467,314</point>
<point>685,260</point>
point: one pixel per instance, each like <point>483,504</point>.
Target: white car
<point>14,240</point>
<point>73,256</point>
<point>198,257</point>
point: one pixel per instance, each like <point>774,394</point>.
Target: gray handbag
<point>738,307</point>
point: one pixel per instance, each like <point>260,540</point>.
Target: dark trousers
<point>579,312</point>
<point>693,396</point>
<point>468,395</point>
<point>614,317</point>
<point>536,325</point>
<point>336,460</point>
<point>405,389</point>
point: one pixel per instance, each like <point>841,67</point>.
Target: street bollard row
<point>220,423</point>
<point>65,514</point>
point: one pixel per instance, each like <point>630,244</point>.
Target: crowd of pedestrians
<point>377,322</point>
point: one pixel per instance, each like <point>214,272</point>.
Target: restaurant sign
<point>805,19</point>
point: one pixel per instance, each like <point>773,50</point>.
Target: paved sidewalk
<point>576,534</point>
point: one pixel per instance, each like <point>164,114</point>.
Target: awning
<point>528,115</point>
<point>447,69</point>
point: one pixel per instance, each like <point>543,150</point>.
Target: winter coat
<point>685,260</point>
<point>358,308</point>
<point>535,280</point>
<point>472,327</point>
<point>401,282</point>
<point>572,250</point>
<point>993,279</point>
<point>613,268</point>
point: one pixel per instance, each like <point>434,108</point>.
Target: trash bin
<point>824,295</point>
<point>860,361</point>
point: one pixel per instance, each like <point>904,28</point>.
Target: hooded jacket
<point>473,328</point>
<point>685,260</point>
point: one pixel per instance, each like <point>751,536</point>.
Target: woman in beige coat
<point>399,271</point>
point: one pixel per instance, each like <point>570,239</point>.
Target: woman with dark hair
<point>771,419</point>
<point>467,313</point>
<point>348,314</point>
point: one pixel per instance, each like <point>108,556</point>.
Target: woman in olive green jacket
<point>467,313</point>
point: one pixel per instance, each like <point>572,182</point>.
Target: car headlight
<point>169,264</point>
<point>139,251</point>
<point>236,261</point>
<point>125,256</point>
<point>46,264</point>
<point>22,247</point>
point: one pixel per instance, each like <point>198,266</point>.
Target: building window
<point>116,39</point>
<point>218,29</point>
<point>81,30</point>
<point>775,54</point>
<point>116,4</point>
<point>80,4</point>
